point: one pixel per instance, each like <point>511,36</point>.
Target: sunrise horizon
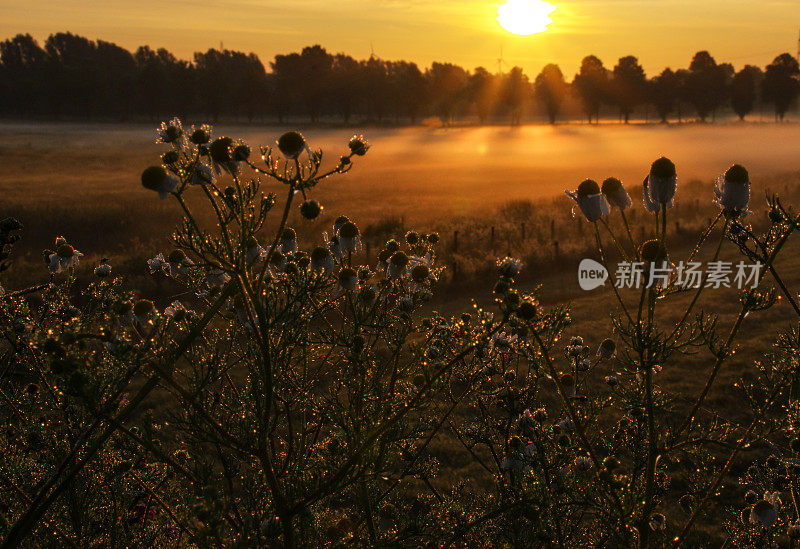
<point>659,33</point>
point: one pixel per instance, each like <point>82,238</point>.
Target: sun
<point>525,17</point>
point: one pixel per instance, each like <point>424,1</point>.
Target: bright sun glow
<point>525,17</point>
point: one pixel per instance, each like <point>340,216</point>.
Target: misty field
<point>415,392</point>
<point>84,179</point>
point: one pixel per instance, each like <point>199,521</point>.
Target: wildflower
<point>349,237</point>
<point>64,257</point>
<point>765,511</point>
<point>662,182</point>
<point>590,200</point>
<point>733,190</point>
<point>412,237</point>
<point>169,132</point>
<point>339,222</point>
<point>649,205</point>
<point>291,144</point>
<point>568,382</point>
<point>397,265</point>
<point>310,209</point>
<point>615,193</point>
<point>509,266</point>
<point>103,270</point>
<point>607,349</point>
<point>611,381</point>
<point>240,153</point>
<point>528,309</point>
<point>658,522</point>
<point>156,178</point>
<point>220,152</point>
<point>142,309</point>
<point>348,279</point>
<point>201,135</point>
<point>202,175</point>
<point>178,262</point>
<point>582,463</point>
<point>358,145</point>
<point>322,259</point>
<point>277,260</point>
<point>176,311</point>
<point>288,242</point>
<point>253,251</point>
<point>158,265</point>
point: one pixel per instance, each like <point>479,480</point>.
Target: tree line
<point>71,76</point>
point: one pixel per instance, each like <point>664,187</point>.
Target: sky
<point>659,32</point>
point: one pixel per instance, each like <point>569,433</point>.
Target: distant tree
<point>629,85</point>
<point>665,92</point>
<point>706,85</point>
<point>482,90</point>
<point>743,91</point>
<point>376,84</point>
<point>73,74</point>
<point>23,74</point>
<point>408,89</point>
<point>516,89</point>
<point>550,89</point>
<point>592,86</point>
<point>346,86</point>
<point>780,85</point>
<point>448,85</point>
<point>302,80</point>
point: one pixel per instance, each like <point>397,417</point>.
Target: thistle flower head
<point>615,193</point>
<point>322,259</point>
<point>348,279</point>
<point>201,135</point>
<point>156,178</point>
<point>291,144</point>
<point>509,266</point>
<point>662,182</point>
<point>732,191</point>
<point>310,209</point>
<point>607,349</point>
<point>169,132</point>
<point>358,145</point>
<point>590,200</point>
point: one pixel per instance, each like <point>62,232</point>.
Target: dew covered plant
<point>295,394</point>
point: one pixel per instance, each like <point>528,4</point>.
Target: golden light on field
<point>525,17</point>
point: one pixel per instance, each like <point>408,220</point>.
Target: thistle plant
<point>293,393</point>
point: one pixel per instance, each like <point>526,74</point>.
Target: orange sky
<point>660,32</point>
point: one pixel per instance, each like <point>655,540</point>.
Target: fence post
<point>455,241</point>
<point>523,231</point>
<point>552,229</point>
<point>491,238</point>
<point>555,249</point>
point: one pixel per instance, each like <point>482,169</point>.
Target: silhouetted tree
<point>23,72</point>
<point>482,92</point>
<point>665,92</point>
<point>303,80</point>
<point>629,85</point>
<point>743,91</point>
<point>346,86</point>
<point>550,90</point>
<point>448,86</point>
<point>780,85</point>
<point>407,89</point>
<point>516,89</point>
<point>592,86</point>
<point>706,83</point>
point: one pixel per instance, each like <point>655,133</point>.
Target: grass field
<point>82,181</point>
